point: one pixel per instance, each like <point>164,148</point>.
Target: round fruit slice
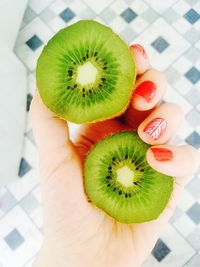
<point>86,73</point>
<point>119,180</point>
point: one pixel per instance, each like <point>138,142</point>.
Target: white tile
<point>160,6</point>
<point>119,6</point>
<point>29,263</point>
<point>186,200</point>
<point>58,6</point>
<point>172,96</point>
<point>198,107</point>
<point>28,124</point>
<point>182,25</point>
<point>77,6</point>
<point>1,215</point>
<point>182,85</point>
<point>118,24</point>
<point>198,44</point>
<point>196,25</point>
<point>138,25</point>
<point>3,190</point>
<point>182,65</point>
<point>184,225</point>
<point>194,261</point>
<point>177,44</point>
<point>181,7</point>
<point>17,218</point>
<point>37,217</point>
<point>99,6</point>
<point>197,64</point>
<point>139,6</point>
<point>24,185</point>
<point>57,24</point>
<point>37,194</point>
<point>38,5</point>
<point>185,130</point>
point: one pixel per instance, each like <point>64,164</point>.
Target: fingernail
<point>155,128</point>
<point>162,154</point>
<point>141,49</point>
<point>146,91</point>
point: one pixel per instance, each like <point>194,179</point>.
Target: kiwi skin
<point>46,79</point>
<point>141,207</point>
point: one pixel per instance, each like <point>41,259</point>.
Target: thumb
<point>50,131</point>
<point>60,165</point>
<point>52,137</point>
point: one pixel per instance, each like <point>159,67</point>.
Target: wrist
<point>47,257</point>
<point>53,257</point>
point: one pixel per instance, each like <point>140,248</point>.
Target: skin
<point>76,234</point>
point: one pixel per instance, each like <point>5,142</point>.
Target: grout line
<point>190,259</point>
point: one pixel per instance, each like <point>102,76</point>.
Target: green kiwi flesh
<point>119,180</point>
<point>86,73</point>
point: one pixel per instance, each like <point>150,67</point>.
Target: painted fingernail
<point>146,90</point>
<point>162,154</point>
<point>155,128</point>
<point>141,49</point>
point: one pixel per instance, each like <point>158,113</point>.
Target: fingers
<point>179,162</point>
<point>150,88</point>
<point>50,132</point>
<point>149,91</point>
<point>161,124</point>
<point>141,58</point>
<point>176,161</point>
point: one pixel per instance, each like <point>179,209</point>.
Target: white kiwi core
<point>87,73</point>
<point>125,176</point>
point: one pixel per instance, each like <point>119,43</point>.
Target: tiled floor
<point>170,32</point>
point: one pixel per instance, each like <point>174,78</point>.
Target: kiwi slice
<point>119,180</point>
<point>86,73</point>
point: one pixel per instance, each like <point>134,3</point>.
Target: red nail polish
<point>146,90</point>
<point>162,154</point>
<point>141,49</point>
<point>155,128</point>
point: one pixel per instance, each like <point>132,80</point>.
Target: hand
<point>75,232</point>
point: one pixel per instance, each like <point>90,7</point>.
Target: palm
<point>69,215</point>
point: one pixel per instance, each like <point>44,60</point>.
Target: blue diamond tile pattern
<point>192,16</point>
<point>160,250</point>
<point>34,42</point>
<point>193,75</point>
<point>194,213</point>
<point>128,15</point>
<point>160,44</point>
<point>169,31</point>
<point>67,14</point>
<point>14,239</point>
<point>24,167</point>
<point>193,139</point>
